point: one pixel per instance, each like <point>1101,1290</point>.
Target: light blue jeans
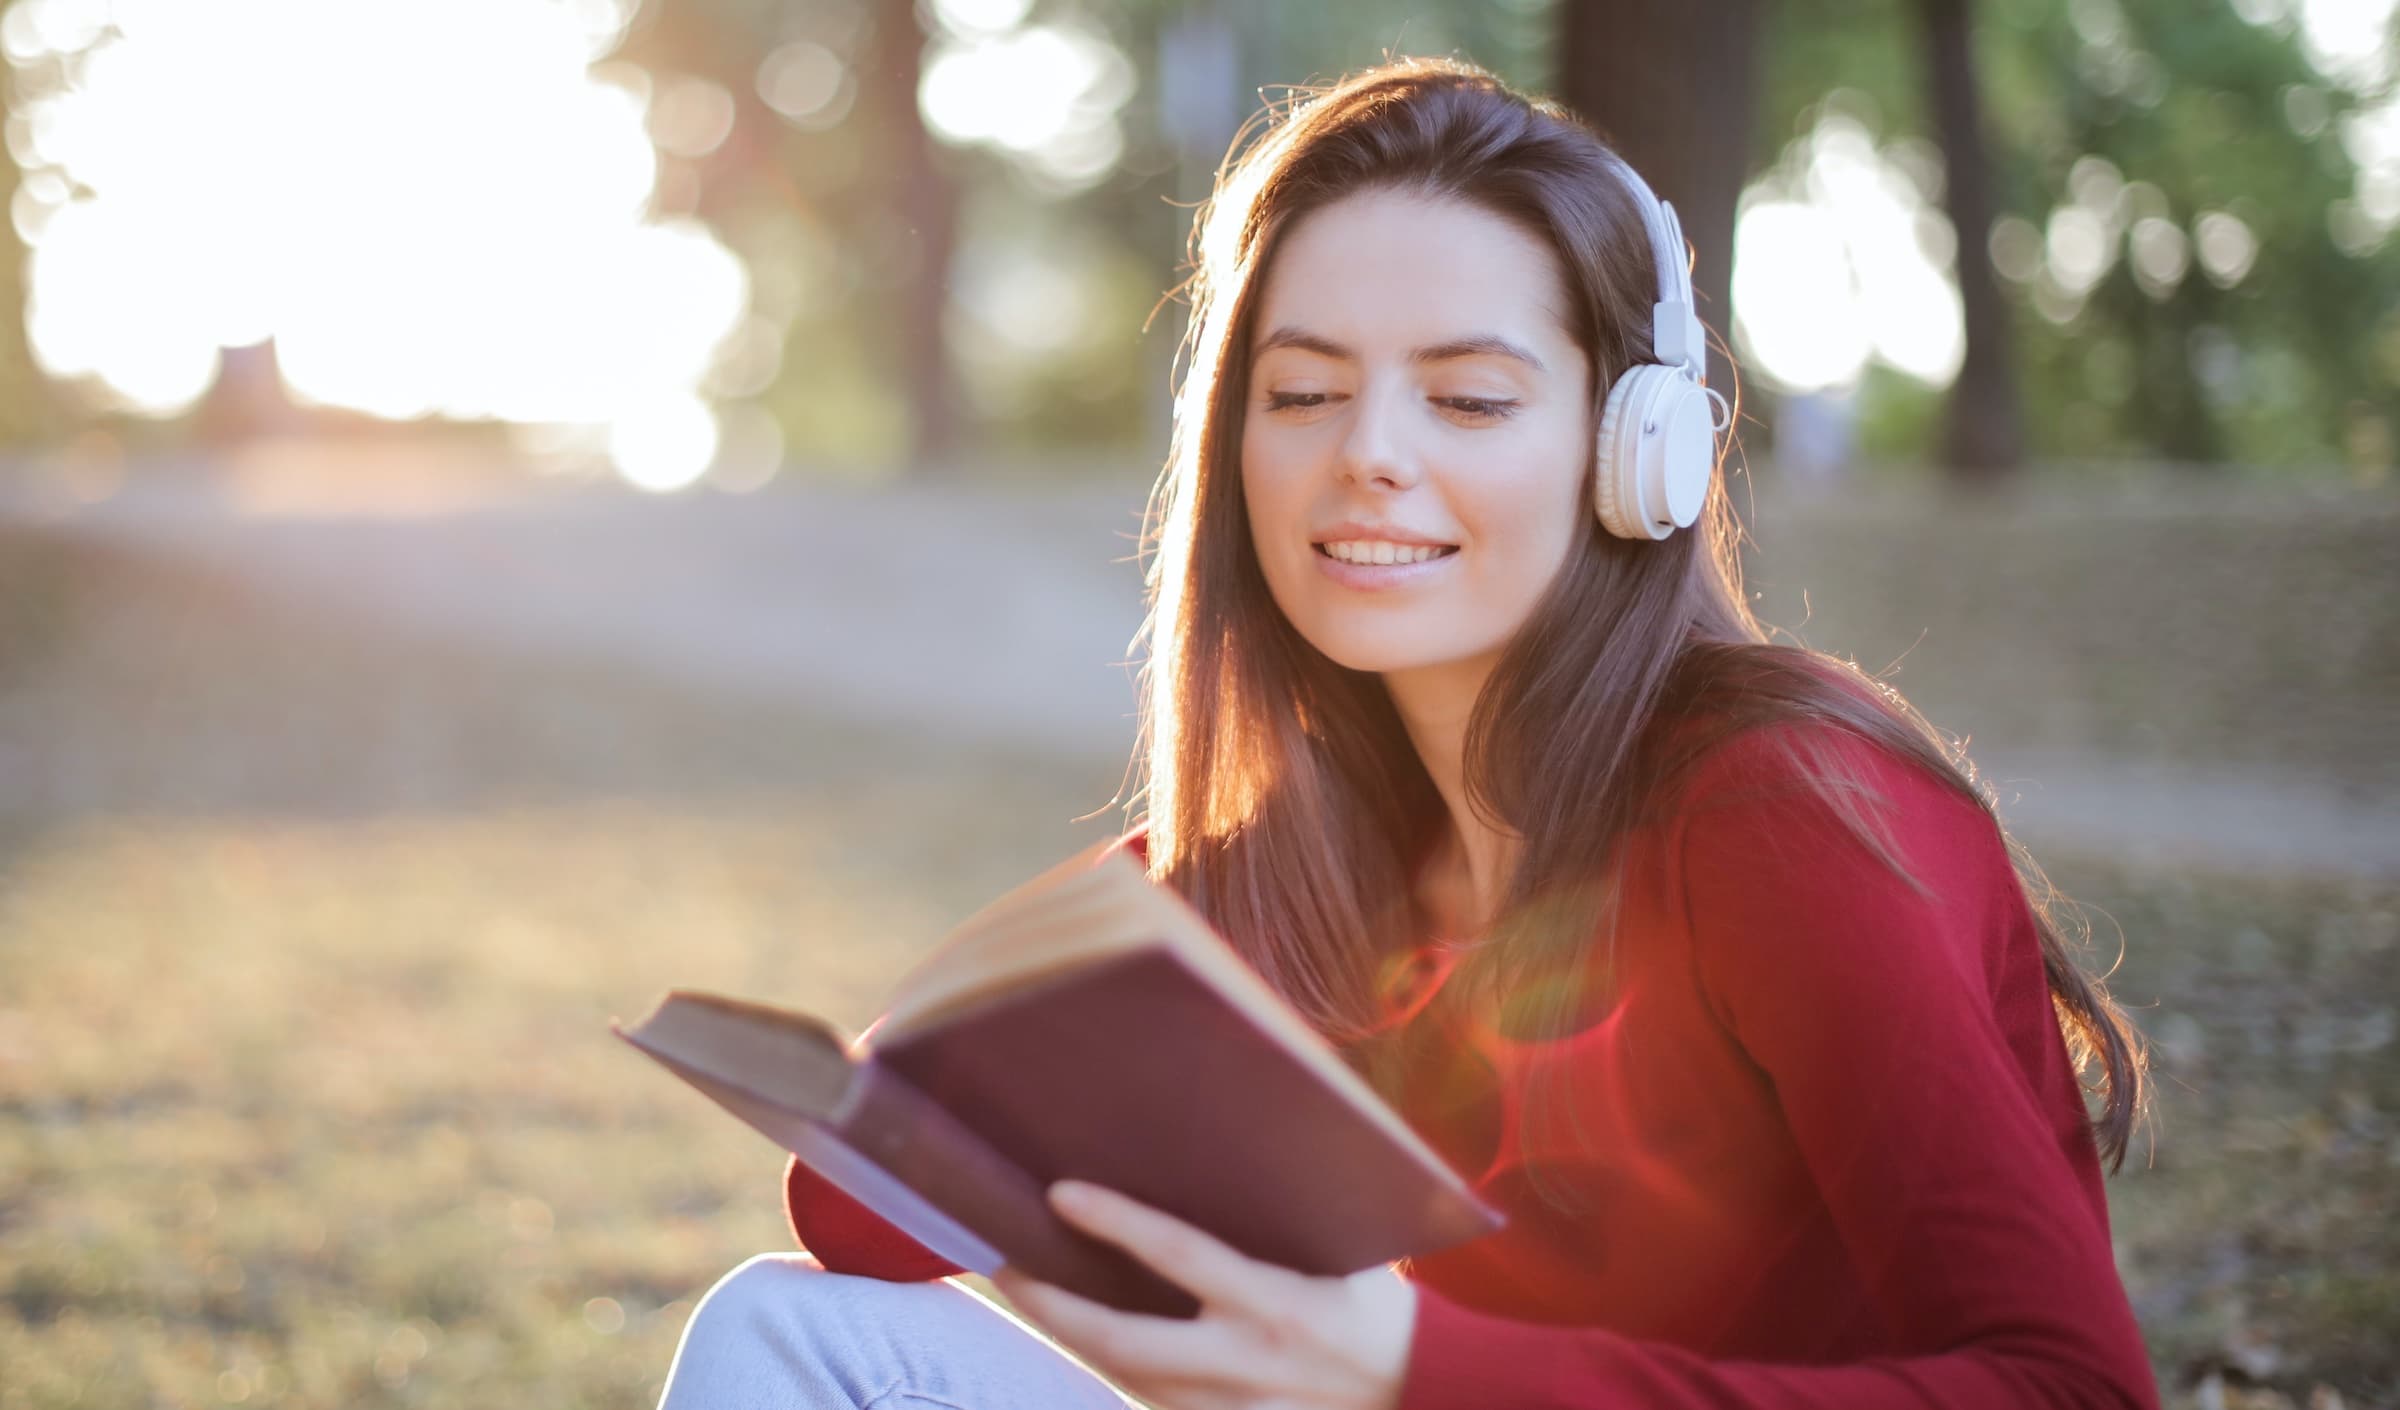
<point>781,1333</point>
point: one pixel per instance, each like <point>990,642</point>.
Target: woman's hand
<point>1266,1336</point>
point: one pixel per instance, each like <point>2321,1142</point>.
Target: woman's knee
<point>782,1321</point>
<point>772,1295</point>
<point>780,1330</point>
<point>757,1288</point>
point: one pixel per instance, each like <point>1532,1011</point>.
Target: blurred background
<point>510,505</point>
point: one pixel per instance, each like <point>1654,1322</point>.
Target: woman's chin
<point>1384,658</point>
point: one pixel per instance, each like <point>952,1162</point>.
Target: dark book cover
<point>1129,1071</point>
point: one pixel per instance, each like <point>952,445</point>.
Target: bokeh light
<point>2226,246</point>
<point>807,83</point>
<point>664,443</point>
<point>1839,257</point>
<point>2350,44</point>
<point>433,208</point>
<point>1046,95</point>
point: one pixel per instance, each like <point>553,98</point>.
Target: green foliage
<point>1898,416</point>
<point>2296,364</point>
<point>2293,364</point>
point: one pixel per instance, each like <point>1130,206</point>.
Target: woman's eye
<point>1472,408</point>
<point>1480,408</point>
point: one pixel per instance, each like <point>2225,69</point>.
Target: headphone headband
<point>1675,335</point>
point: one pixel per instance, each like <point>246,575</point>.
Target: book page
<point>1055,919</point>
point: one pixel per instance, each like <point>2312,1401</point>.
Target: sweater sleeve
<point>848,1237</point>
<point>1870,1007</point>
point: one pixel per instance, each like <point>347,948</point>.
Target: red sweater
<point>1835,1157</point>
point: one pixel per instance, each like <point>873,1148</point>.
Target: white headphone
<point>1657,444</point>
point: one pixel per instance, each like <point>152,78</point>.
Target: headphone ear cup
<point>1616,460</point>
<point>1655,454</point>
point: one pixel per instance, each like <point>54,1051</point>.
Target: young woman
<point>1703,956</point>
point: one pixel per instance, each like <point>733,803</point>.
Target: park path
<point>995,615</point>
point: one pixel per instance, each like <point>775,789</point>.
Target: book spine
<point>921,1144</point>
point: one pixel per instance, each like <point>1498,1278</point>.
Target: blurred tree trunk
<point>248,400</point>
<point>924,206</point>
<point>1983,440</point>
<point>1671,84</point>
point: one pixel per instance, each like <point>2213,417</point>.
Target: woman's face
<point>1413,389</point>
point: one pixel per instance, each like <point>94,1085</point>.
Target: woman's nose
<point>1375,447</point>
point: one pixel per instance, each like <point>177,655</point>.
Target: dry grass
<point>309,938</point>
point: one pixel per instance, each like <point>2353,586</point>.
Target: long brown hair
<point>1283,797</point>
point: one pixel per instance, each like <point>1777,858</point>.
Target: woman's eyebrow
<point>1473,345</point>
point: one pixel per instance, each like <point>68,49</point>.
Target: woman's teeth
<point>1379,551</point>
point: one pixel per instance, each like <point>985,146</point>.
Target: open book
<point>1087,1024</point>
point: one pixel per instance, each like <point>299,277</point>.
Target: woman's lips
<point>1371,577</point>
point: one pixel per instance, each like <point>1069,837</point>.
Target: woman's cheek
<point>1274,529</point>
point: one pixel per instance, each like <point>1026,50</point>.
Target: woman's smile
<point>1373,567</point>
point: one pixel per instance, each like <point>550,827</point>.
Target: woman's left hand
<point>1265,1336</point>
